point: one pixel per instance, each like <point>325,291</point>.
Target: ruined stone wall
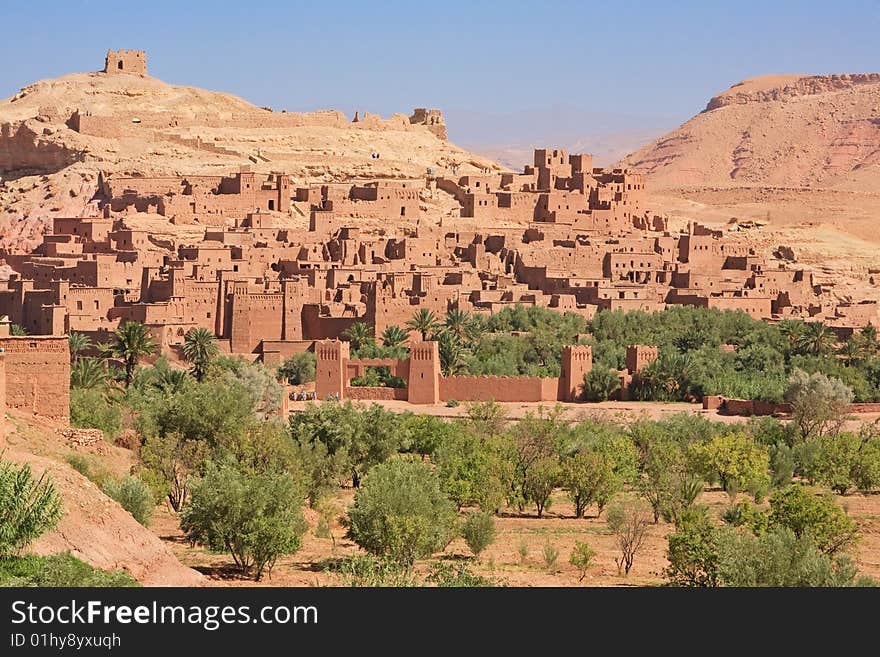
<point>38,375</point>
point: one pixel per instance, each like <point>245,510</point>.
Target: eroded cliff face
<point>35,146</point>
<point>786,87</point>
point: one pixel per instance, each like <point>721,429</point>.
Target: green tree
<point>299,368</point>
<point>456,322</point>
<point>254,516</point>
<point>582,477</point>
<point>737,461</point>
<point>91,408</point>
<point>478,531</point>
<point>808,513</point>
<point>780,558</point>
<point>134,496</point>
<point>471,470</point>
<point>393,337</point>
<point>424,322</point>
<point>541,479</point>
<point>359,334</point>
<point>452,353</point>
<point>693,550</point>
<point>29,507</point>
<point>88,373</point>
<point>16,329</point>
<point>200,349</point>
<point>401,512</point>
<point>131,342</point>
<point>817,339</point>
<point>171,464</point>
<point>600,384</point>
<point>79,342</point>
<point>820,404</point>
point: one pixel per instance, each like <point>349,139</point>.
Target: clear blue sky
<point>648,60</point>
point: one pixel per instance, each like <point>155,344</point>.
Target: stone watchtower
<point>331,368</point>
<point>424,373</point>
<point>639,356</point>
<point>133,62</point>
<point>577,361</point>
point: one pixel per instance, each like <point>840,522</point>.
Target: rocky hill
<point>57,135</point>
<point>782,130</point>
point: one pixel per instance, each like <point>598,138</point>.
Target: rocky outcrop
<point>34,147</point>
<point>744,92</point>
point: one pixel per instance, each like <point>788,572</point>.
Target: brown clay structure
<point>561,234</point>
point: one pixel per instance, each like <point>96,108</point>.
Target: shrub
<point>134,496</point>
<point>737,461</point>
<point>522,550</point>
<point>28,507</point>
<point>820,404</point>
<point>693,550</point>
<point>629,522</point>
<point>299,368</point>
<point>781,558</point>
<point>458,576</point>
<point>366,570</point>
<point>551,554</point>
<point>91,409</point>
<point>582,558</point>
<point>400,512</point>
<point>255,517</point>
<point>806,512</point>
<point>452,403</point>
<point>58,570</point>
<point>88,468</point>
<point>599,384</point>
<point>478,531</point>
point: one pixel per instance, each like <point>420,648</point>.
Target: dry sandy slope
<point>94,527</point>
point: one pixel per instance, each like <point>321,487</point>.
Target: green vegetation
<point>401,513</point>
<point>478,531</point>
<point>29,507</point>
<point>298,369</point>
<point>58,570</point>
<point>134,496</point>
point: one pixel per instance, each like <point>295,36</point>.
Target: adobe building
<point>132,62</point>
<point>562,235</point>
<point>35,374</point>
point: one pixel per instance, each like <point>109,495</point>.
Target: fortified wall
<point>35,374</point>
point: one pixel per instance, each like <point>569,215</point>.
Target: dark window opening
<point>119,66</point>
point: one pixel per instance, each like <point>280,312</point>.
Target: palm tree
<point>792,330</point>
<point>131,342</point>
<point>817,339</point>
<point>456,321</point>
<point>452,353</point>
<point>79,342</point>
<point>475,329</point>
<point>200,348</point>
<point>394,336</point>
<point>424,321</point>
<point>170,381</point>
<point>868,340</point>
<point>87,373</point>
<point>358,334</point>
<point>851,350</point>
<point>17,329</point>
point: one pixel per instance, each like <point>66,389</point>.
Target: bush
<point>522,550</point>
<point>90,408</point>
<point>820,404</point>
<point>28,507</point>
<point>452,403</point>
<point>255,517</point>
<point>134,496</point>
<point>693,550</point>
<point>599,384</point>
<point>551,554</point>
<point>299,368</point>
<point>58,570</point>
<point>458,576</point>
<point>817,515</point>
<point>401,513</point>
<point>582,558</point>
<point>781,558</point>
<point>629,522</point>
<point>88,468</point>
<point>366,570</point>
<point>478,531</point>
